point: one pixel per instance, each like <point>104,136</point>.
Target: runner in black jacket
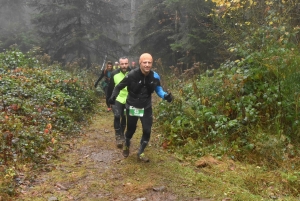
<point>141,83</point>
<point>106,74</point>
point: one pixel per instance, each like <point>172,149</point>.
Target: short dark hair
<point>124,57</point>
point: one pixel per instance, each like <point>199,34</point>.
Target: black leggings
<point>119,117</point>
<point>146,121</point>
<point>106,96</point>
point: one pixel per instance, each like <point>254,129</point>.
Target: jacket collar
<point>141,73</point>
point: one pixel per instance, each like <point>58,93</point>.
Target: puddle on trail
<point>105,156</point>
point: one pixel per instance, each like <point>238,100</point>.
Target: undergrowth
<point>40,105</point>
<point>247,110</point>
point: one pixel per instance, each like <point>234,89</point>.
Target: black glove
<point>96,83</point>
<point>112,100</point>
<point>168,97</point>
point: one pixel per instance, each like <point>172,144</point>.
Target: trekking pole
<point>96,83</point>
<point>103,63</point>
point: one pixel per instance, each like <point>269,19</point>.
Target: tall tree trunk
<point>132,23</point>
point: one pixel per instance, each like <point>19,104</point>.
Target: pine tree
<point>153,27</point>
<point>77,29</point>
<point>177,31</point>
<point>14,27</point>
<point>195,36</point>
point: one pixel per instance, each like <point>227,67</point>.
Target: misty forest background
<point>232,66</point>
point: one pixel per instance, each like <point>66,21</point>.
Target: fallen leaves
<point>206,161</point>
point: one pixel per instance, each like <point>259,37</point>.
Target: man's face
<point>146,66</point>
<point>124,65</point>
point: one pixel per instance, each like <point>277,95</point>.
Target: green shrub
<point>40,104</point>
<point>221,106</point>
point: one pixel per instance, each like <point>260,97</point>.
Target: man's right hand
<point>112,100</point>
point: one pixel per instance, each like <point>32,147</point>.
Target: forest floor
<point>93,168</point>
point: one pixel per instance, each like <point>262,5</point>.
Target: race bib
<point>137,112</point>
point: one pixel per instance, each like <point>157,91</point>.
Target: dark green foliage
<point>249,108</point>
<point>155,25</point>
<point>195,37</point>
<point>227,111</point>
<point>77,29</point>
<point>39,106</point>
<point>177,31</point>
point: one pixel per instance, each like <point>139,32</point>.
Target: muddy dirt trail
<point>93,168</point>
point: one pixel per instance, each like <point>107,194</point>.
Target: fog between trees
<point>86,30</point>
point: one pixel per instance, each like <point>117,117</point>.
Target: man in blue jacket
<point>141,83</point>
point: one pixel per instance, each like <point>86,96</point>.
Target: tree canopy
<point>177,31</point>
<point>14,28</point>
<point>77,29</point>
